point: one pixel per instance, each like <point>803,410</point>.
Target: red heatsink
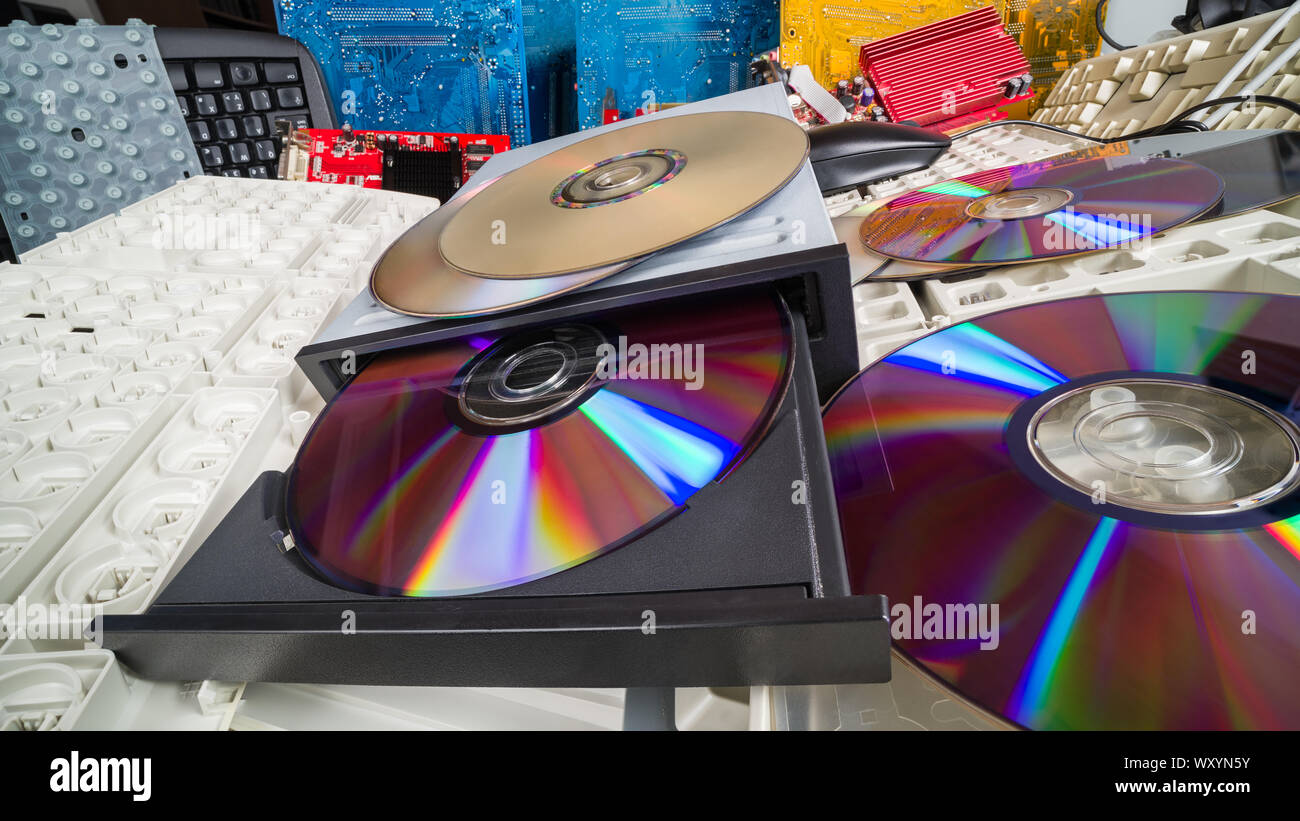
<point>942,70</point>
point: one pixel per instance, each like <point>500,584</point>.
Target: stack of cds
<point>395,488</point>
<point>1114,195</point>
<point>587,211</point>
<point>1083,513</point>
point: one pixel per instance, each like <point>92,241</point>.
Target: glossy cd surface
<point>624,194</point>
<point>412,277</point>
<point>1259,168</point>
<point>1085,513</point>
<point>473,465</point>
<point>1054,208</point>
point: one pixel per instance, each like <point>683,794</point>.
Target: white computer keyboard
<point>1142,87</point>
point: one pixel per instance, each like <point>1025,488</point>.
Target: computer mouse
<point>846,155</point>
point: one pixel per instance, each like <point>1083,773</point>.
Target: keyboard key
<point>208,75</point>
<point>176,73</point>
<point>232,172</point>
<point>233,102</point>
<point>199,131</point>
<point>258,172</point>
<point>265,150</point>
<point>281,72</point>
<point>226,129</point>
<point>212,155</point>
<point>261,99</point>
<point>255,126</point>
<point>290,97</point>
<point>239,153</point>
<point>243,74</point>
<point>205,104</point>
<point>295,120</point>
<point>184,103</point>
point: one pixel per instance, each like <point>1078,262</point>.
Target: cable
<point>999,123</point>
<point>1258,80</point>
<point>1181,120</point>
<point>1254,50</point>
<point>1101,28</point>
<point>1266,99</point>
<point>1065,131</point>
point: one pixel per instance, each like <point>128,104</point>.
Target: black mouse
<point>846,155</point>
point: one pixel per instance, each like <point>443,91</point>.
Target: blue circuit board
<point>638,53</point>
<point>551,45</point>
<point>454,66</point>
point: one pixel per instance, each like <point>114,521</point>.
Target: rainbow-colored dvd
<point>1085,513</point>
<point>1058,207</point>
<point>472,465</point>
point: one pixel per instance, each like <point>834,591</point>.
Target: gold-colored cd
<point>412,278</point>
<point>623,194</point>
<point>882,269</point>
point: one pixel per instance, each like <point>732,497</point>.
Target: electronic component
<point>947,76</point>
<point>964,65</point>
<point>722,615</point>
<point>550,47</point>
<point>455,66</point>
<point>638,56</point>
<point>433,165</point>
<point>1053,35</point>
<point>827,37</point>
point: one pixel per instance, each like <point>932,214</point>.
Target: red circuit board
<point>356,157</point>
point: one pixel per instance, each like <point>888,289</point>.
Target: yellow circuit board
<point>1053,34</point>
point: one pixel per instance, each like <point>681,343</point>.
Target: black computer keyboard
<point>231,103</point>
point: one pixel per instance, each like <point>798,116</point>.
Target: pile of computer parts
<point>839,377</point>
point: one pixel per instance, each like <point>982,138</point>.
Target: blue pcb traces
<point>550,42</point>
<point>636,53</point>
<point>446,66</point>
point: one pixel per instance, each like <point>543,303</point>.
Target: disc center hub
<point>618,178</point>
<point>534,370</point>
<point>1166,446</point>
<point>529,377</point>
<point>1020,203</point>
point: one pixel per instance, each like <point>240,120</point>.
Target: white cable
<point>822,101</point>
<point>1256,47</point>
<point>1258,80</point>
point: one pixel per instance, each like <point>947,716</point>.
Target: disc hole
<point>533,370</point>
